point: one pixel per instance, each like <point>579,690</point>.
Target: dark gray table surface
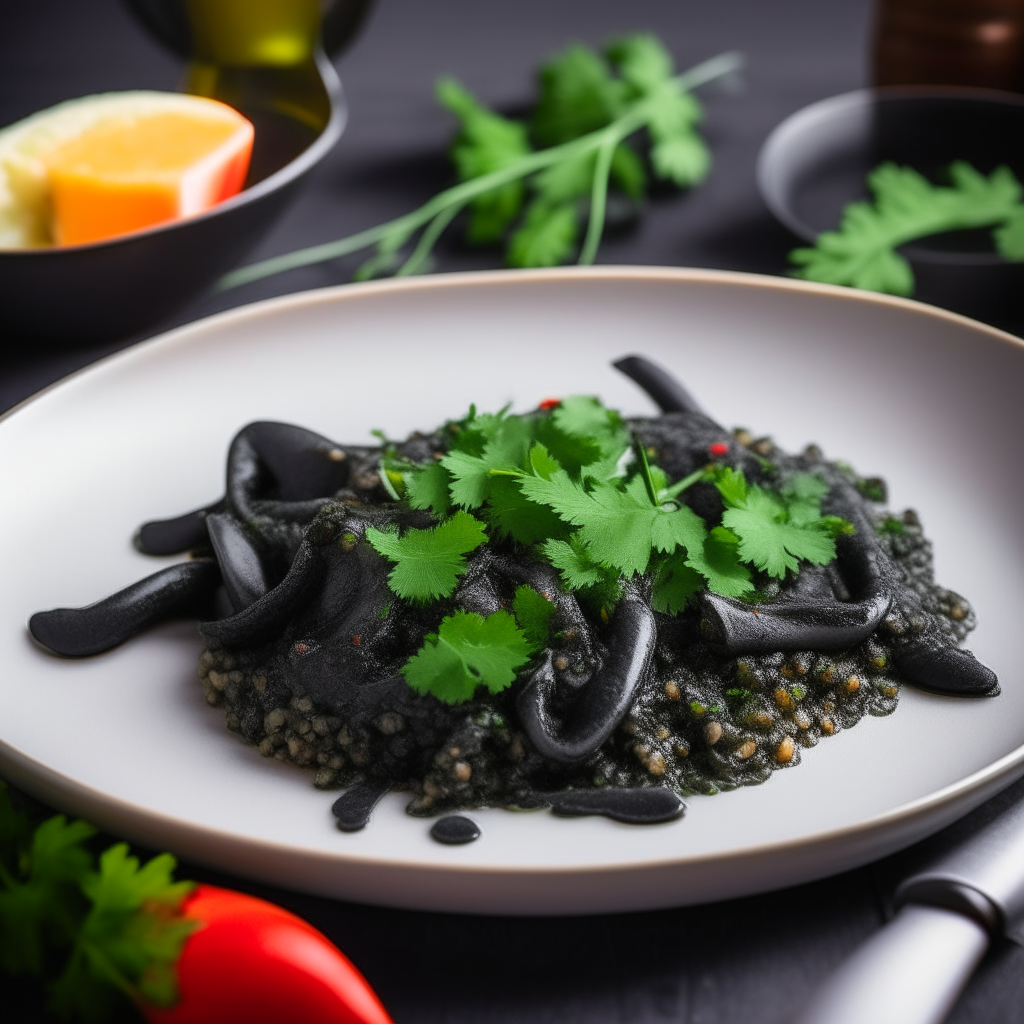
<point>749,960</point>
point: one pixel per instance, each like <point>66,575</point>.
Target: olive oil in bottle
<point>259,56</point>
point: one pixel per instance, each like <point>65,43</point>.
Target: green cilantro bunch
<point>88,935</point>
<point>862,253</point>
<point>534,183</point>
<point>572,487</point>
<point>581,92</point>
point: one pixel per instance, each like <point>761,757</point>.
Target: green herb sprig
<point>571,486</point>
<point>906,206</point>
<point>584,118</point>
<point>87,935</point>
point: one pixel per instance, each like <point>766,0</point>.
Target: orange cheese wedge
<point>145,167</point>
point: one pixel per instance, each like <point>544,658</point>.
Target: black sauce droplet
<point>645,806</point>
<point>354,807</point>
<point>455,829</point>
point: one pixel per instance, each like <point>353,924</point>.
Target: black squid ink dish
<point>561,608</point>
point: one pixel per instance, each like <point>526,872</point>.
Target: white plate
<point>927,399</point>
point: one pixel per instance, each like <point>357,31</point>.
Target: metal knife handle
<point>910,972</point>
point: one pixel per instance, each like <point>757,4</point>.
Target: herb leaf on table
<point>89,939</point>
<point>534,184</point>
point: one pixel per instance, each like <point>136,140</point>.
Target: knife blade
<point>913,970</point>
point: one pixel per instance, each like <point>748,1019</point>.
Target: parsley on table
<point>428,563</point>
<point>536,183</point>
<point>468,651</point>
<point>89,938</point>
<point>863,252</point>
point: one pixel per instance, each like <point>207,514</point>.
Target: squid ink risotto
<point>561,608</point>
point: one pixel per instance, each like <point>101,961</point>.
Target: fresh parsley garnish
<point>569,483</point>
<point>535,183</point>
<point>428,563</point>
<point>775,532</point>
<point>468,651</point>
<point>863,252</point>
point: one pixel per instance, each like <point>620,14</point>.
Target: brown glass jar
<point>949,42</point>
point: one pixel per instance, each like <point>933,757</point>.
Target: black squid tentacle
<point>736,627</point>
<point>175,536</point>
<point>245,578</point>
<point>664,390</point>
<point>180,591</point>
<point>604,701</point>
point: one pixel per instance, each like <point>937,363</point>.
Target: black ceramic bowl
<point>816,161</point>
<point>85,294</point>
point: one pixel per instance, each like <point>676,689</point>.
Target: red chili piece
<point>255,962</point>
<point>357,640</point>
<point>718,448</point>
<point>550,403</point>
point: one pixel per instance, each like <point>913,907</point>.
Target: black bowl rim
<point>782,136</point>
<point>285,175</point>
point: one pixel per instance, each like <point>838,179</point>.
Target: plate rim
<point>121,814</point>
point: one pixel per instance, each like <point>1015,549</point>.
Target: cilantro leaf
<point>683,159</point>
<point>487,142</point>
<point>468,651</point>
<point>578,569</point>
<point>642,61</point>
<point>1009,238</point>
<point>429,562</point>
<point>585,416</point>
<point>533,612</point>
<point>546,238</point>
<point>719,563</point>
<point>571,451</point>
<point>862,253</point>
<point>674,584</point>
<point>628,172</point>
<point>565,181</point>
<point>513,515</point>
<point>40,901</point>
<point>427,488</point>
<point>577,95</point>
<point>619,528</point>
<point>505,449</point>
<point>776,531</point>
<point>131,938</point>
<point>803,493</point>
<point>768,541</point>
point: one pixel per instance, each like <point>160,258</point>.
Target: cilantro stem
<point>427,241</point>
<point>453,199</point>
<point>598,198</point>
<point>645,474</point>
<point>386,481</point>
<point>681,485</point>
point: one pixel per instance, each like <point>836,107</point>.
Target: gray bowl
<point>86,294</point>
<point>816,161</point>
